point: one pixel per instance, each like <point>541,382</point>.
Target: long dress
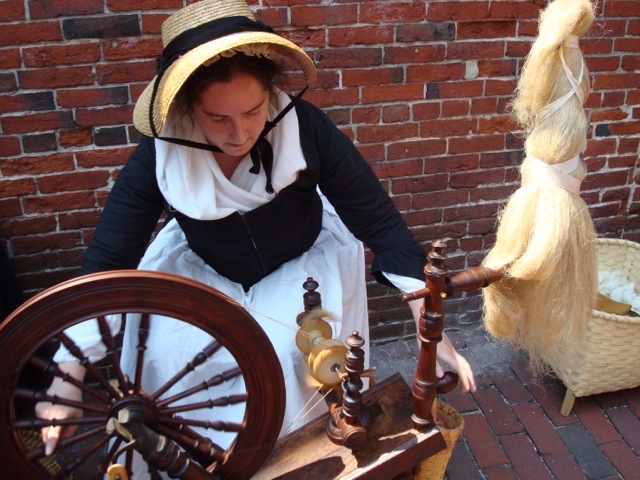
<point>307,149</point>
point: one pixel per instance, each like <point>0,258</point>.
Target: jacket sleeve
<point>348,182</point>
<point>129,217</point>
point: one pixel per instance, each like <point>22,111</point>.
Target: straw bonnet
<point>200,34</point>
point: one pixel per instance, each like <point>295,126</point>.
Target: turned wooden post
<point>430,328</point>
<point>311,299</point>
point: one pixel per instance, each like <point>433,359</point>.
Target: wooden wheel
<point>25,333</point>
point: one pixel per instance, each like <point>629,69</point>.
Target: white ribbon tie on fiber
<point>559,173</point>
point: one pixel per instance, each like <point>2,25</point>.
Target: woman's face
<point>233,114</point>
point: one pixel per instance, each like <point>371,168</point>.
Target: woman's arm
<point>130,215</point>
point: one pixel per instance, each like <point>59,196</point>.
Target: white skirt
<point>335,261</point>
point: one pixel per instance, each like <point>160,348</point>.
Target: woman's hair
<point>266,72</point>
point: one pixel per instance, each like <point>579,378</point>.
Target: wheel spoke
<point>39,423</point>
<point>212,402</point>
<point>213,425</point>
<point>97,374</point>
<point>112,351</point>
<point>212,382</point>
<point>51,367</point>
<point>143,334</point>
<point>198,359</point>
<point>38,396</point>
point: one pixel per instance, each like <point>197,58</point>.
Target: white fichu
<point>545,239</point>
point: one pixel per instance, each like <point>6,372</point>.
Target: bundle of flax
<point>545,239</point>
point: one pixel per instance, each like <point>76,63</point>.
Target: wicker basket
<point>611,354</point>
<point>451,424</point>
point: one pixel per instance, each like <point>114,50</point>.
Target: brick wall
<point>421,87</point>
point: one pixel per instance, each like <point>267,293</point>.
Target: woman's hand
<point>50,411</point>
<point>448,354</point>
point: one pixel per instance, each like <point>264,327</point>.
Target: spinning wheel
<point>111,407</point>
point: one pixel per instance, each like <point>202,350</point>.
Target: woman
<point>261,190</point>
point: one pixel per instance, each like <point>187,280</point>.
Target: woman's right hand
<point>50,411</point>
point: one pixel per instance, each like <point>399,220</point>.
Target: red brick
<point>621,8</point>
<point>56,55</point>
<point>38,165</point>
<point>125,5</point>
<point>64,8</point>
<point>595,420</point>
<point>374,76</point>
<point>463,89</point>
<point>29,33</point>
<point>497,413</point>
<point>500,473</point>
<point>436,200</point>
<point>349,57</point>
<point>125,72</point>
<point>12,10</point>
<point>550,398</point>
<point>455,108</point>
<point>380,12</point>
<point>17,187</point>
<point>9,207</point>
<point>9,58</point>
<point>104,116</point>
<point>36,244</point>
<point>515,9</point>
<point>476,144</point>
<point>435,72</point>
<point>392,93</point>
<point>482,442</point>
<point>79,219</point>
<point>426,110</point>
<point>397,169</point>
<point>416,148</point>
<point>36,122</point>
<point>615,81</point>
<point>628,424</point>
<point>447,128</point>
<point>564,466</point>
<point>454,10</point>
<point>625,459</point>
<point>59,202</point>
<point>341,37</point>
<point>525,459</point>
<point>131,48</point>
<point>374,133</point>
<point>103,157</point>
<point>75,181</point>
<point>416,54</point>
<point>24,225</point>
<point>538,427</point>
<point>152,22</point>
<point>468,50</point>
<point>75,138</point>
<point>9,146</point>
<point>49,78</point>
<point>486,29</point>
<point>309,16</point>
<point>92,97</point>
<point>502,376</point>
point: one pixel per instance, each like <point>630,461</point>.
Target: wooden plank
<point>394,446</point>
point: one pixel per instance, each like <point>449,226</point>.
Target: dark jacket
<point>247,247</point>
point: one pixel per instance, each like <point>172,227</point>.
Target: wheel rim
<point>24,332</point>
